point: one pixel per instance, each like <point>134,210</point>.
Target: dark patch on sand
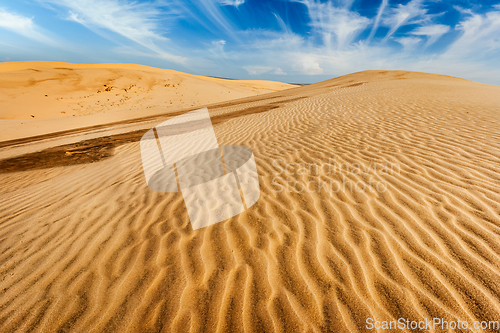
<point>165,116</point>
<point>87,151</point>
<point>354,85</point>
<point>343,85</point>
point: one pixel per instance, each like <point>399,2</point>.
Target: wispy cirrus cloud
<point>408,42</point>
<point>401,15</point>
<point>23,26</point>
<point>475,52</point>
<point>433,32</point>
<point>235,3</point>
<point>255,70</point>
<point>337,24</point>
<point>376,23</point>
<point>478,31</point>
<point>137,22</point>
<point>211,9</point>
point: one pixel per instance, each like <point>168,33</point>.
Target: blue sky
<point>299,41</point>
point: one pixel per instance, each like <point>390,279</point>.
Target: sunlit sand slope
<point>85,246</point>
<point>39,89</point>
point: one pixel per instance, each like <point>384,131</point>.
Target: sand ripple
<point>89,248</point>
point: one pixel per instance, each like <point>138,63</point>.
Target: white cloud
<point>307,64</point>
<point>211,10</point>
<point>281,23</point>
<point>408,42</point>
<point>474,54</point>
<point>478,32</point>
<point>219,44</point>
<point>402,15</point>
<point>338,26</point>
<point>217,48</point>
<point>235,3</point>
<point>432,32</point>
<point>256,70</point>
<point>15,22</point>
<point>23,26</point>
<point>270,41</point>
<point>134,21</point>
<point>279,71</point>
<point>377,18</point>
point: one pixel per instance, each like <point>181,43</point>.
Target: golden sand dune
<point>86,246</point>
<point>38,97</point>
<point>39,89</point>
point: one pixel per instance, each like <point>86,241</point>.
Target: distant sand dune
<point>39,90</point>
<point>85,246</point>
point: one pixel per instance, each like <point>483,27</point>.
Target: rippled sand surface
<point>405,225</point>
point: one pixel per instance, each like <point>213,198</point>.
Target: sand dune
<point>41,96</point>
<point>64,96</point>
<point>58,89</point>
<point>85,246</point>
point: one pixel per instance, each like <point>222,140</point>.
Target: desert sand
<point>86,246</point>
<point>42,96</point>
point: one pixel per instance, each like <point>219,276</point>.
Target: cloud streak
<point>381,9</point>
<point>23,26</point>
<point>235,3</point>
<point>135,21</point>
<point>432,32</point>
<point>402,15</point>
<point>337,25</point>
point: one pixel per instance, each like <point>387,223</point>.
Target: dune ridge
<point>60,90</point>
<point>88,247</point>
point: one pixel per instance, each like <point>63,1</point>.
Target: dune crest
<point>40,90</point>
